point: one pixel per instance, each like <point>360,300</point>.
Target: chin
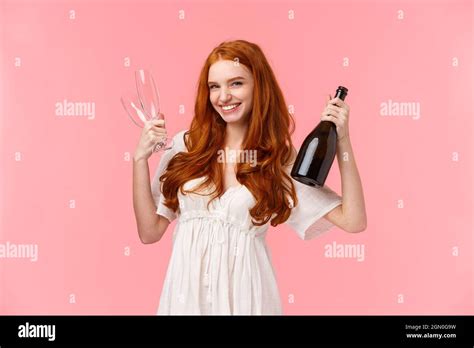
<point>232,118</point>
<point>238,118</point>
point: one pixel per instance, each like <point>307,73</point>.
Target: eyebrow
<point>232,79</point>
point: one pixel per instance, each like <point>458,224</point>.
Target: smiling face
<point>231,90</point>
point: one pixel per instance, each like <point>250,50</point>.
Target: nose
<point>224,96</point>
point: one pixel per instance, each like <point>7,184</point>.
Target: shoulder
<point>289,165</point>
<point>178,141</point>
<point>294,153</point>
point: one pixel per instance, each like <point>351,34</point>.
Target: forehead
<point>227,69</point>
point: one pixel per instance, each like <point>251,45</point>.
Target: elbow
<point>150,234</point>
<point>144,240</point>
<point>357,228</point>
<point>147,239</point>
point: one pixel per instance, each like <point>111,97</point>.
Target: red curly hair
<point>269,132</point>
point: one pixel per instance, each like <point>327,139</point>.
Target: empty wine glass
<point>146,105</point>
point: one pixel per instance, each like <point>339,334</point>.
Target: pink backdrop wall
<point>66,181</point>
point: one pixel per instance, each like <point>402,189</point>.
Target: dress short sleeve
<point>307,217</point>
<point>166,156</point>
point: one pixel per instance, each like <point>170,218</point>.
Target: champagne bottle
<point>317,152</point>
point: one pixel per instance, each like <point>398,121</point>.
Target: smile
<point>230,108</point>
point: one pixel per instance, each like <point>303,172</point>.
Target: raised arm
<point>351,215</point>
<point>150,226</point>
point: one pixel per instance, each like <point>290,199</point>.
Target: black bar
<point>291,330</point>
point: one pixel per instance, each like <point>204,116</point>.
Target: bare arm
<point>351,216</point>
<point>150,226</point>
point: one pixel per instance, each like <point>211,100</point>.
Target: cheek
<point>213,98</point>
<point>249,100</point>
<point>249,95</point>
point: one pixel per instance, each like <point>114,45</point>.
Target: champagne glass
<point>146,105</point>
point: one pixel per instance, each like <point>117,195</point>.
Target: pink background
<point>418,259</point>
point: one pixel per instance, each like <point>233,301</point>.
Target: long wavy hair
<point>270,126</point>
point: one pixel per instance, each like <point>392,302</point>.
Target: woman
<point>220,263</point>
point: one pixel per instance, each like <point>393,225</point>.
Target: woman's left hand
<point>337,114</point>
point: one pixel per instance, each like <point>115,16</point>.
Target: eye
<point>233,83</point>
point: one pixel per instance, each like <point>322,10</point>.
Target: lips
<point>231,110</point>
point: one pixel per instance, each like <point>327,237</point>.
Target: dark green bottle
<point>317,152</point>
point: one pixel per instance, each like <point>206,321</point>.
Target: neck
<point>235,135</point>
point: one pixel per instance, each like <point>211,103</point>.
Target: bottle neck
<point>326,125</point>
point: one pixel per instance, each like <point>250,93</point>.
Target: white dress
<point>220,263</point>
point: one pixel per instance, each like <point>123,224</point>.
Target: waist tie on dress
<point>208,270</point>
<point>214,238</point>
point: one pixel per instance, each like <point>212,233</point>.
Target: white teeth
<point>230,107</point>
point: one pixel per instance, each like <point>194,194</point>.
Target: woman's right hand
<point>152,133</point>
